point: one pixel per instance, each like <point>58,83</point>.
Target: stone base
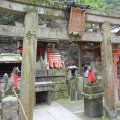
<point>44,91</point>
<point>10,108</point>
<point>93,107</point>
<point>111,115</point>
<point>44,96</point>
<point>106,118</point>
<point>93,89</point>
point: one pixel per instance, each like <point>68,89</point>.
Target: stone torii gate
<point>31,32</point>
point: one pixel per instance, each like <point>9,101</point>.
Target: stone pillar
<point>73,89</point>
<point>9,108</point>
<point>79,87</point>
<point>80,58</point>
<point>72,82</point>
<point>0,99</point>
<point>0,112</point>
<point>45,56</point>
<point>107,67</point>
<point>27,89</point>
<point>0,91</point>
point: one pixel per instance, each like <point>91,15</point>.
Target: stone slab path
<point>53,112</point>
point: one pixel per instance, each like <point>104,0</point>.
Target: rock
<point>10,108</point>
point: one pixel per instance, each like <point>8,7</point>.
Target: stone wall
<point>58,76</point>
<point>60,90</point>
<point>7,45</point>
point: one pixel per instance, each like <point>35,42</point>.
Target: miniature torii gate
<point>31,32</point>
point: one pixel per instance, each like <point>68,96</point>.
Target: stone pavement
<point>64,109</point>
<point>53,112</point>
<point>76,107</point>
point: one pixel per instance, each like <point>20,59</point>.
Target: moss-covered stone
<point>60,91</point>
<point>93,107</point>
<point>104,117</point>
<point>10,91</point>
<point>55,4</point>
<point>93,89</point>
<point>59,95</point>
<point>60,87</point>
<point>57,72</point>
<point>58,76</point>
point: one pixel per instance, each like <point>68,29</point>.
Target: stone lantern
<point>74,83</point>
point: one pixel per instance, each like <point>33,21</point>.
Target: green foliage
<point>6,19</point>
<point>103,4</point>
<point>73,52</point>
<point>99,4</point>
<point>112,5</point>
<point>9,19</point>
<point>52,24</point>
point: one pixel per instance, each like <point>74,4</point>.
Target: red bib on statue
<point>15,80</point>
<point>91,76</point>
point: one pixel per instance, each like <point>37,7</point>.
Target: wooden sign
<point>76,21</point>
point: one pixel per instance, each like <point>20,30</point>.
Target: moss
<point>76,37</point>
<point>56,72</point>
<point>10,91</point>
<point>49,12</point>
<point>31,10</point>
<point>69,102</point>
<point>10,57</point>
<point>105,118</point>
<point>49,3</point>
<point>51,23</point>
<point>92,84</point>
<point>58,77</point>
<point>28,10</point>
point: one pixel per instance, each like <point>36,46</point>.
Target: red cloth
<point>15,80</point>
<point>91,76</point>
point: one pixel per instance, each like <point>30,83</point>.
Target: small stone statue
<point>5,77</point>
<point>6,84</point>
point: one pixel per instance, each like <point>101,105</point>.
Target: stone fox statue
<point>14,77</point>
<point>11,82</point>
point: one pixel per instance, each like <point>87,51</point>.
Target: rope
<point>20,104</point>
